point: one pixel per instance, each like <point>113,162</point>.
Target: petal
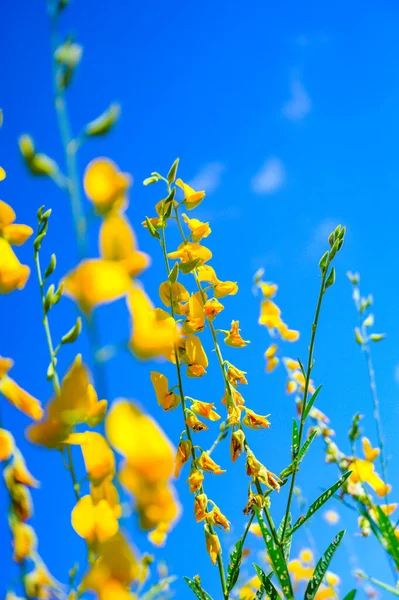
<point>83,518</point>
<point>98,456</point>
<point>17,234</point>
<point>20,398</point>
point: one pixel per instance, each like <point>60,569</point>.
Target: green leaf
<point>301,454</point>
<point>322,499</point>
<point>233,568</point>
<point>267,585</point>
<point>330,279</point>
<point>302,367</point>
<point>311,402</point>
<point>51,267</point>
<point>73,333</point>
<point>287,541</point>
<point>174,273</point>
<point>387,530</point>
<point>322,567</point>
<point>295,438</point>
<point>381,584</point>
<point>171,176</point>
<point>186,268</point>
<point>158,588</point>
<point>152,229</point>
<point>277,559</point>
<point>195,586</point>
<point>104,122</point>
<point>351,595</point>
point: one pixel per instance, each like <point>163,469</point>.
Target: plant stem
<point>305,395</point>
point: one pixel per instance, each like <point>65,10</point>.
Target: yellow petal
<point>83,518</point>
<point>17,234</point>
<point>20,398</point>
<point>7,444</point>
<point>98,456</point>
<point>105,185</point>
<point>13,275</point>
<point>7,214</point>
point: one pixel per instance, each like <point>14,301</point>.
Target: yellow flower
<point>289,335</point>
<point>94,522</point>
<point>17,396</point>
<point>299,571</point>
<point>237,444</point>
<point>195,321</point>
<point>306,556</point>
<point>158,535</point>
<point>204,409</point>
<point>218,519</point>
<point>194,423</point>
<point>7,444</point>
<point>324,593</point>
<point>191,197</point>
<point>195,356</point>
<point>268,289</point>
<point>255,529</point>
<point>291,387</point>
<point>233,338</point>
<point>98,456</point>
<point>212,308</point>
<point>105,185</point>
<point>154,331</point>
<point>254,421</point>
<point>291,364</point>
<point>195,480</point>
<point>13,275</point>
<point>271,358</point>
<point>97,281</point>
<point>207,273</point>
<point>363,471</point>
<point>167,399</point>
<point>369,452</point>
<point>200,507</point>
<point>332,578</point>
<point>206,463</point>
<point>212,545</point>
<point>118,243</point>
<point>256,470</point>
<point>270,314</point>
<point>77,403</point>
<point>182,455</point>
<point>236,376</point>
<point>198,229</point>
<point>175,291</point>
<point>3,174</point>
<point>24,541</point>
<point>225,288</point>
<point>17,472</point>
<point>188,252</point>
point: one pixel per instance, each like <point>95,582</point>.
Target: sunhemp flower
<point>204,409</point>
<point>195,315</point>
<point>363,471</point>
<point>369,452</point>
<point>199,230</point>
<point>13,275</point>
<point>7,444</point>
<point>212,308</point>
<point>237,444</point>
<point>193,354</point>
<point>206,463</point>
<point>194,423</point>
<point>165,397</point>
<point>236,376</point>
<point>188,252</point>
<point>173,292</point>
<point>271,359</point>
<point>221,288</point>
<point>182,455</point>
<point>200,507</point>
<point>191,198</point>
<point>105,185</point>
<point>17,396</point>
<point>254,421</point>
<point>195,480</point>
<point>217,518</point>
<point>212,545</point>
<point>97,454</point>
<point>94,522</point>
<point>233,337</point>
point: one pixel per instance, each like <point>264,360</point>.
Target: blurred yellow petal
<point>13,275</point>
<point>306,555</point>
<point>105,185</point>
<point>19,398</point>
<point>95,282</point>
<point>7,444</point>
<point>270,314</point>
<point>363,471</point>
<point>98,456</point>
<point>175,292</point>
<point>2,174</point>
<point>17,235</point>
<point>158,535</point>
<point>94,522</point>
<point>24,541</point>
<point>369,452</point>
<point>7,214</point>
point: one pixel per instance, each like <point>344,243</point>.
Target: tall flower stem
<point>187,429</point>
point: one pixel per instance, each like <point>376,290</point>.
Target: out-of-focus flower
<point>94,522</point>
<point>270,314</point>
<point>40,584</point>
<point>77,403</point>
<point>191,197</point>
<point>97,281</point>
<point>24,541</point>
<point>13,275</point>
<point>199,230</point>
<point>167,399</point>
<point>118,243</point>
<point>105,185</point>
<point>331,516</point>
<point>7,444</point>
<point>17,396</point>
<point>306,556</point>
<point>369,452</point>
<point>363,471</point>
<point>154,331</point>
<point>233,337</point>
<point>271,358</point>
<point>158,535</point>
<point>299,571</point>
<point>98,456</point>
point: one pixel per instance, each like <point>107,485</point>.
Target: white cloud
<point>298,106</point>
<point>209,178</point>
<point>318,241</point>
<point>270,178</point>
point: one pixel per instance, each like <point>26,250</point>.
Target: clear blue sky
<point>290,114</point>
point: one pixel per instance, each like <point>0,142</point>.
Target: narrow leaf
<point>158,588</point>
<point>174,273</point>
<point>171,176</point>
<point>351,595</point>
<point>311,402</point>
<point>322,567</point>
<point>233,568</point>
<point>189,266</point>
<point>388,533</point>
<point>322,499</point>
<point>277,559</point>
<point>266,583</point>
<point>295,438</point>
<point>381,584</point>
<point>195,587</point>
<point>287,541</point>
<point>306,445</point>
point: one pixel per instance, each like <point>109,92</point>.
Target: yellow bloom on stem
<point>291,387</point>
<point>199,230</point>
<point>289,335</point>
<point>200,507</point>
<point>233,337</point>
<point>94,522</point>
<point>195,356</point>
<point>188,252</point>
<point>254,421</point>
<point>173,291</point>
<point>195,321</point>
<point>118,243</point>
<point>237,398</point>
<point>105,185</point>
<point>13,275</point>
<point>7,444</point>
<point>212,308</point>
<point>98,456</point>
<point>269,314</point>
<point>206,463</point>
<point>237,444</point>
<point>363,471</point>
<point>212,545</point>
<point>269,290</point>
<point>204,409</point>
<point>195,480</point>
<point>154,331</point>
<point>17,396</point>
<point>217,518</point>
<point>206,273</point>
<point>225,288</point>
<point>236,376</point>
<point>191,197</point>
<point>158,535</point>
<point>271,358</point>
<point>256,470</point>
<point>369,452</point>
<point>167,399</point>
<point>24,541</point>
<point>106,490</point>
<point>97,281</point>
<point>194,423</point>
<point>77,403</point>
<point>182,455</point>
<point>291,364</point>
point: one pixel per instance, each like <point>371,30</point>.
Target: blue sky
<point>288,115</point>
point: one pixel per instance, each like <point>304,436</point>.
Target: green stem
<point>305,395</point>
